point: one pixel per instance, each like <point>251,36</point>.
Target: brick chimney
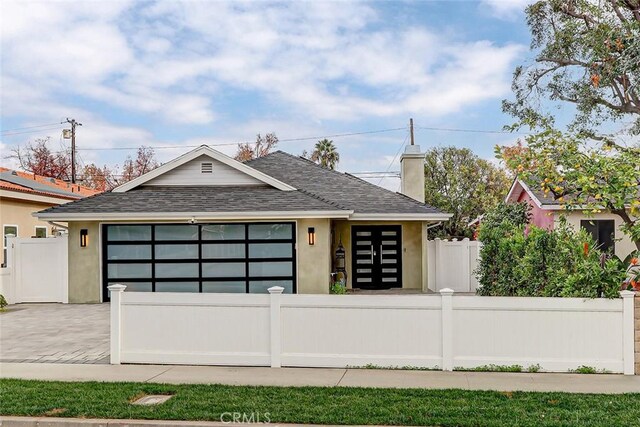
<point>412,173</point>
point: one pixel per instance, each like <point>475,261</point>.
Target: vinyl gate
<point>37,270</point>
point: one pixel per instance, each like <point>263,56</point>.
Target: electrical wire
<point>32,131</point>
<point>31,127</point>
<point>396,156</point>
<point>471,130</point>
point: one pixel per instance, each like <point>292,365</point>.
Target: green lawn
<point>320,405</point>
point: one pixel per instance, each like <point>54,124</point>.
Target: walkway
<point>55,333</point>
<point>573,383</point>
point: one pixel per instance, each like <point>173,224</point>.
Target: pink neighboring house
<point>542,208</point>
<point>545,211</point>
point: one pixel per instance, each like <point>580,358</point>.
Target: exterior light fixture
<point>312,236</point>
<point>84,237</point>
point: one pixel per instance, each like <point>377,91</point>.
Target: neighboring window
<point>41,232</point>
<point>7,230</point>
<point>237,257</point>
<point>602,231</point>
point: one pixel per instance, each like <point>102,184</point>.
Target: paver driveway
<point>55,333</point>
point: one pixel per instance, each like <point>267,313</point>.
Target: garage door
<point>229,258</point>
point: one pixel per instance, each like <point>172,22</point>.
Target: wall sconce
<point>312,236</point>
<point>84,237</point>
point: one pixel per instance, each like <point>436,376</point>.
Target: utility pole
<point>411,130</point>
<point>73,147</point>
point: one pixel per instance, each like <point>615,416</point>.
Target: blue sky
<point>182,73</point>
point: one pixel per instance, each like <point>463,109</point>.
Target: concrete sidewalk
<point>572,383</point>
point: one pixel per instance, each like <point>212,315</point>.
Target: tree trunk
<point>622,213</point>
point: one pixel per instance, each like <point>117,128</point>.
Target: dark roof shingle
<point>196,199</point>
<point>317,189</point>
<point>346,190</point>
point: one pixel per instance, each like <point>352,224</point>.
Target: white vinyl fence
<point>442,331</point>
<point>450,264</point>
<point>37,270</point>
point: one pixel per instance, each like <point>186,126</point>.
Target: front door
<point>376,256</point>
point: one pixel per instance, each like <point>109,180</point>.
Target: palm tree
<point>325,154</point>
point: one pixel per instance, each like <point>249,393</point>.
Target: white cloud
<point>507,9</point>
<point>324,60</point>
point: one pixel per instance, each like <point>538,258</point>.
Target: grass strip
<point>318,405</point>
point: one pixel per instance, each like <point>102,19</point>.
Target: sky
<point>178,74</point>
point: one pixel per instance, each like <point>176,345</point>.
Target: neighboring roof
<point>303,188</point>
<point>538,197</point>
<point>25,182</point>
<point>193,154</point>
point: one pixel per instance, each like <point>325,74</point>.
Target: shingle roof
<point>317,189</point>
<point>196,199</point>
<point>341,188</point>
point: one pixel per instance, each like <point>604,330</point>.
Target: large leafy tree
<point>325,154</point>
<point>586,53</point>
<point>459,182</point>
<point>582,174</point>
<point>253,150</point>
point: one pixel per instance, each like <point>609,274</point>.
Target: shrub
<point>3,302</point>
<point>337,288</point>
<point>523,260</point>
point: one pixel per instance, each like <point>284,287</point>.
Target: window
<point>41,232</point>
<point>602,231</point>
<point>229,258</point>
<point>7,230</point>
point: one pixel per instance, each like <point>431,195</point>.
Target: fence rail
<point>431,331</point>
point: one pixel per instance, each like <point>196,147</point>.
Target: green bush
<point>523,260</point>
<point>337,288</point>
<point>3,302</point>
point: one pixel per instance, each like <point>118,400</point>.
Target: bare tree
<point>36,157</point>
<point>260,148</point>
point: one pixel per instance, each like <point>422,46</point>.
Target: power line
<point>396,156</point>
<point>31,131</point>
<point>306,138</point>
<point>31,127</point>
<point>472,130</point>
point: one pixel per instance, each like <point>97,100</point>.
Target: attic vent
<point>206,167</point>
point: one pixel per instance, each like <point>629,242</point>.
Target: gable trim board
<point>203,150</point>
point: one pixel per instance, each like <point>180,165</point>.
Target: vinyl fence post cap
<point>627,294</point>
<point>446,291</point>
<point>276,290</point>
<point>117,288</point>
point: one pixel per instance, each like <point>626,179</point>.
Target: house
<point>546,212</point>
<point>23,193</point>
<point>205,222</point>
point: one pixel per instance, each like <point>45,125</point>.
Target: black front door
<point>376,256</point>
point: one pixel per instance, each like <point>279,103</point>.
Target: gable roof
<point>193,154</point>
<point>538,197</point>
<point>31,183</point>
<point>365,199</point>
<point>304,189</point>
